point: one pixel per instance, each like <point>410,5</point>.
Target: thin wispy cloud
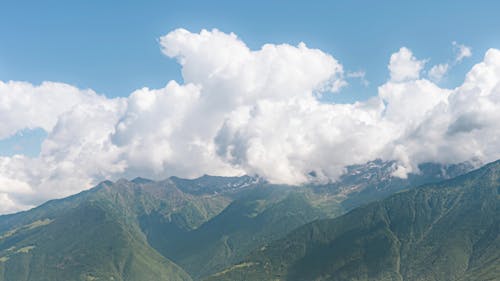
<point>361,75</point>
<point>461,51</point>
<point>439,71</point>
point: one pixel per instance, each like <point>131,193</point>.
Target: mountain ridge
<point>194,227</point>
<point>443,231</point>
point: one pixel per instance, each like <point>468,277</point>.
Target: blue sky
<point>111,47</point>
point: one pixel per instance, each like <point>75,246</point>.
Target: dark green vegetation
<point>444,231</point>
<point>180,229</point>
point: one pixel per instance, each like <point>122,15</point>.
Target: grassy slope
<point>447,231</point>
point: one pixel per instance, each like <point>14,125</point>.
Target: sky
<point>111,46</point>
<point>94,90</point>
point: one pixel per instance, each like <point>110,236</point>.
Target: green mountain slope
<point>262,214</point>
<point>175,229</point>
<point>446,231</point>
<point>86,243</point>
<point>132,230</point>
<point>95,235</point>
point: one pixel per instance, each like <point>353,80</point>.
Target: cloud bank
<point>242,111</point>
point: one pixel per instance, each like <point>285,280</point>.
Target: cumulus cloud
<point>242,111</point>
<point>155,132</point>
<point>24,106</point>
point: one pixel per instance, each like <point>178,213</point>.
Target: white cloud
<point>462,51</point>
<point>155,132</point>
<point>7,205</point>
<point>438,71</point>
<point>404,66</point>
<point>23,105</point>
<point>218,60</point>
<point>244,111</point>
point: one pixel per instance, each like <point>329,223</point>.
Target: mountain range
<point>244,228</point>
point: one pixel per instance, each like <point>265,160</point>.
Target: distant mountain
<point>361,184</point>
<point>215,185</point>
<point>178,229</point>
<point>437,232</point>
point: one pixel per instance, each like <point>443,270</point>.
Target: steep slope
<point>446,231</point>
<point>86,243</point>
<point>96,235</point>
